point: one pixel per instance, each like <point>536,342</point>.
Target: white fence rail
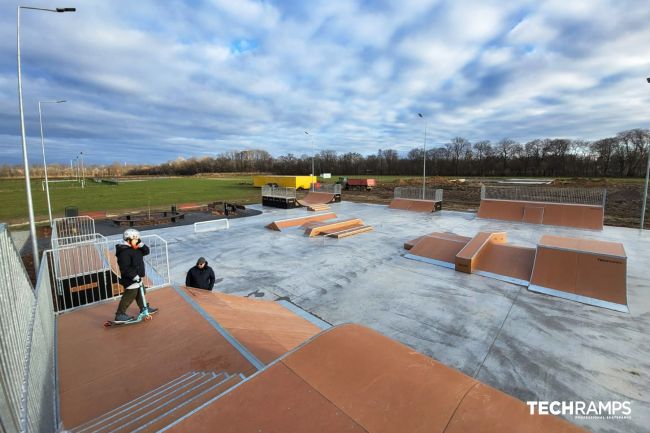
<point>281,192</point>
<point>586,196</point>
<point>27,375</point>
<point>211,226</point>
<point>332,188</point>
<point>71,230</point>
<point>413,193</point>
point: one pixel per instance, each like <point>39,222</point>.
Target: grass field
<point>131,194</point>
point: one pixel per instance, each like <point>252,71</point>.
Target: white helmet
<point>130,234</point>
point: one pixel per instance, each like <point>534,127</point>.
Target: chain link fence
<point>584,196</point>
<point>278,191</point>
<point>411,193</point>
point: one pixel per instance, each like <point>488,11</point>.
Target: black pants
<point>127,299</point>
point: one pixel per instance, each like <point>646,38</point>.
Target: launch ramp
<point>587,271</point>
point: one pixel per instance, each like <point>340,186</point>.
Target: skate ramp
<point>317,198</point>
<point>556,214</point>
<point>415,205</point>
<point>466,259</point>
<point>351,378</point>
<point>102,368</point>
<point>279,225</point>
<point>266,328</point>
<point>329,227</point>
<point>438,249</point>
<point>587,271</point>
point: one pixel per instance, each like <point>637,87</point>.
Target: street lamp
<point>312,152</point>
<point>47,185</point>
<point>83,173</point>
<point>424,157</point>
<point>30,205</point>
<point>645,189</point>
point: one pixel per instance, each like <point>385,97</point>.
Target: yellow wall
<point>297,182</point>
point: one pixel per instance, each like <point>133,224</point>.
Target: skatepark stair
<point>163,405</point>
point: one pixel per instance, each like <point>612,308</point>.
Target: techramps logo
<point>583,409</point>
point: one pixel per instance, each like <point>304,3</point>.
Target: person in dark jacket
<point>200,276</point>
<point>130,259</point>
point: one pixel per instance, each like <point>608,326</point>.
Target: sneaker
<point>152,310</point>
<point>122,318</point>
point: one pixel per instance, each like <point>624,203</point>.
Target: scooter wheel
<point>147,318</point>
<point>107,324</point>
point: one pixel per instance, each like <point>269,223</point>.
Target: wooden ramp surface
<point>320,228</point>
<point>353,379</point>
<point>413,205</point>
<point>102,368</point>
<point>265,328</point>
<point>441,247</point>
<point>299,221</point>
<point>317,198</point>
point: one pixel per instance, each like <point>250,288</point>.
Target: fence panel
<point>414,193</point>
<point>71,230</point>
<point>281,192</point>
<point>332,188</point>
<point>585,196</point>
<point>210,226</point>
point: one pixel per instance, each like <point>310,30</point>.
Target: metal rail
<point>410,193</point>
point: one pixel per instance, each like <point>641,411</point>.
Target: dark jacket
<point>131,262</point>
<point>200,278</point>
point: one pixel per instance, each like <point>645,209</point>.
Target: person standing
<point>200,276</point>
<point>130,259</point>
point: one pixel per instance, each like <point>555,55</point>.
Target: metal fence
<point>87,272</point>
<point>414,193</point>
<point>211,226</point>
<point>71,230</point>
<point>332,188</point>
<point>585,196</point>
<point>27,373</point>
<point>281,192</point>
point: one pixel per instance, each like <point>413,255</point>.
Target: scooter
<point>143,316</point>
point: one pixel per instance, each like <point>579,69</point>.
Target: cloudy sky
<point>149,81</point>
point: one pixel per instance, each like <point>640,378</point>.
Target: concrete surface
<point>529,345</point>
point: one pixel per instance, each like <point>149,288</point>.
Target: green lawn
<point>130,194</point>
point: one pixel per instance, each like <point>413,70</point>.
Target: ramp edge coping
<point>579,298</point>
<point>320,323</point>
<point>431,261</point>
<point>225,334</point>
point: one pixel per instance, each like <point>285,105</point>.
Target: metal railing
<point>87,272</point>
<point>211,226</point>
<point>332,188</point>
<point>27,373</point>
<point>412,193</point>
<point>278,191</point>
<point>71,230</point>
<point>585,196</point>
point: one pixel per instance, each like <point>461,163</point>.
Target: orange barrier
<point>415,205</point>
<point>591,272</point>
<point>293,222</point>
<point>556,214</point>
<point>317,198</point>
<point>351,378</point>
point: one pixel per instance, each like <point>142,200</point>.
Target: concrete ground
<point>532,346</point>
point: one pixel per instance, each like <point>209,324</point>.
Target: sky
<point>151,81</point>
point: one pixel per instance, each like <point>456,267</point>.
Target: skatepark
<point>297,298</point>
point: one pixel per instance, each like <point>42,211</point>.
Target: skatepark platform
<point>529,345</point>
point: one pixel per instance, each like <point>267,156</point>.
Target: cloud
<point>152,81</point>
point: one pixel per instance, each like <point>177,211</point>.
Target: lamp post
<point>83,173</point>
<point>645,188</point>
<point>312,153</point>
<point>47,185</point>
<point>30,205</point>
<point>424,158</point>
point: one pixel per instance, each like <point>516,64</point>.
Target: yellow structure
<point>297,182</point>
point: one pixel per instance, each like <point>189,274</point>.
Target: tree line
<point>623,155</point>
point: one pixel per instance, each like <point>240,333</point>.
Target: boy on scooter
<point>130,259</point>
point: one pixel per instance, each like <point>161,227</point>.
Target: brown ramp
<point>465,260</point>
<point>438,249</point>
<point>353,379</point>
<point>587,271</point>
<point>317,198</point>
<point>294,222</point>
<point>399,203</point>
<point>506,262</point>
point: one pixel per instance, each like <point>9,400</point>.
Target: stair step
<point>135,412</point>
<point>134,423</point>
<point>129,406</point>
<point>189,405</point>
